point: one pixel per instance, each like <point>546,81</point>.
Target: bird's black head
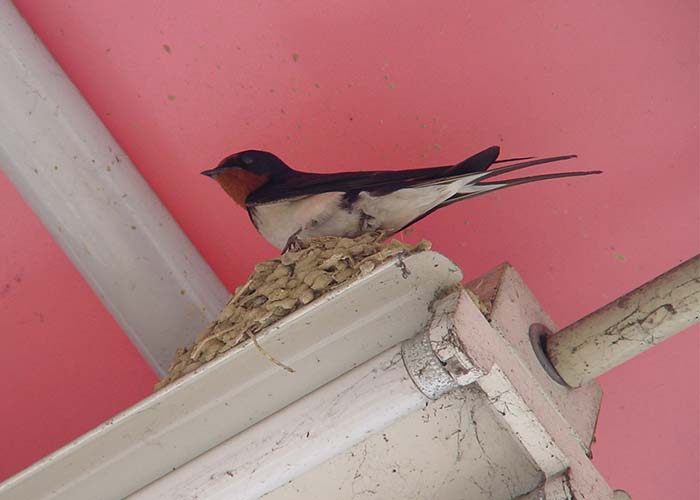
<point>242,173</point>
<point>260,163</point>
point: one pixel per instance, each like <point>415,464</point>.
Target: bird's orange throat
<point>239,183</point>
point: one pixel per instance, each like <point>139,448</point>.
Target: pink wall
<point>379,84</point>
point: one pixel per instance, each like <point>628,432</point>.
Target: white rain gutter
<point>321,341</point>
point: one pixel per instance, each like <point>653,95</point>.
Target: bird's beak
<point>210,173</point>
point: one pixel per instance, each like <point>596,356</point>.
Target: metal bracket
<point>424,367</point>
<point>435,359</point>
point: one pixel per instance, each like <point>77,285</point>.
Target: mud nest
<point>280,286</point>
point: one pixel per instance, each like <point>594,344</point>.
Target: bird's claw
<point>294,244</point>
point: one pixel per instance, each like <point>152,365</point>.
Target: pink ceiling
<point>378,84</point>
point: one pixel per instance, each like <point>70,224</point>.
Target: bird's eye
<point>247,160</point>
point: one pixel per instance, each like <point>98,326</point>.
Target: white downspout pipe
<point>628,326</point>
<point>94,202</point>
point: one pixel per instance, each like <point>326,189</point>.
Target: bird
<point>288,206</point>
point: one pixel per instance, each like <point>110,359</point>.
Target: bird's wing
<point>300,184</point>
<point>478,188</point>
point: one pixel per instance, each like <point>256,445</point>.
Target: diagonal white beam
<point>94,202</point>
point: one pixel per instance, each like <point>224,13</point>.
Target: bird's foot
<point>376,236</point>
<point>294,244</point>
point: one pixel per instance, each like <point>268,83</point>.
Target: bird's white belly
<point>325,214</point>
<point>316,215</point>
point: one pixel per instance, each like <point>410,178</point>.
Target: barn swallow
<point>287,205</point>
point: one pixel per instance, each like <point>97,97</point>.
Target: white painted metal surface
<point>299,437</point>
<point>554,424</point>
<point>628,326</point>
<point>368,432</point>
<point>556,488</point>
<point>94,202</point>
<point>514,308</point>
<point>550,427</point>
<point>455,448</point>
<point>320,341</point>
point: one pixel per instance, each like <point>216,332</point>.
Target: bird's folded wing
<point>298,184</point>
